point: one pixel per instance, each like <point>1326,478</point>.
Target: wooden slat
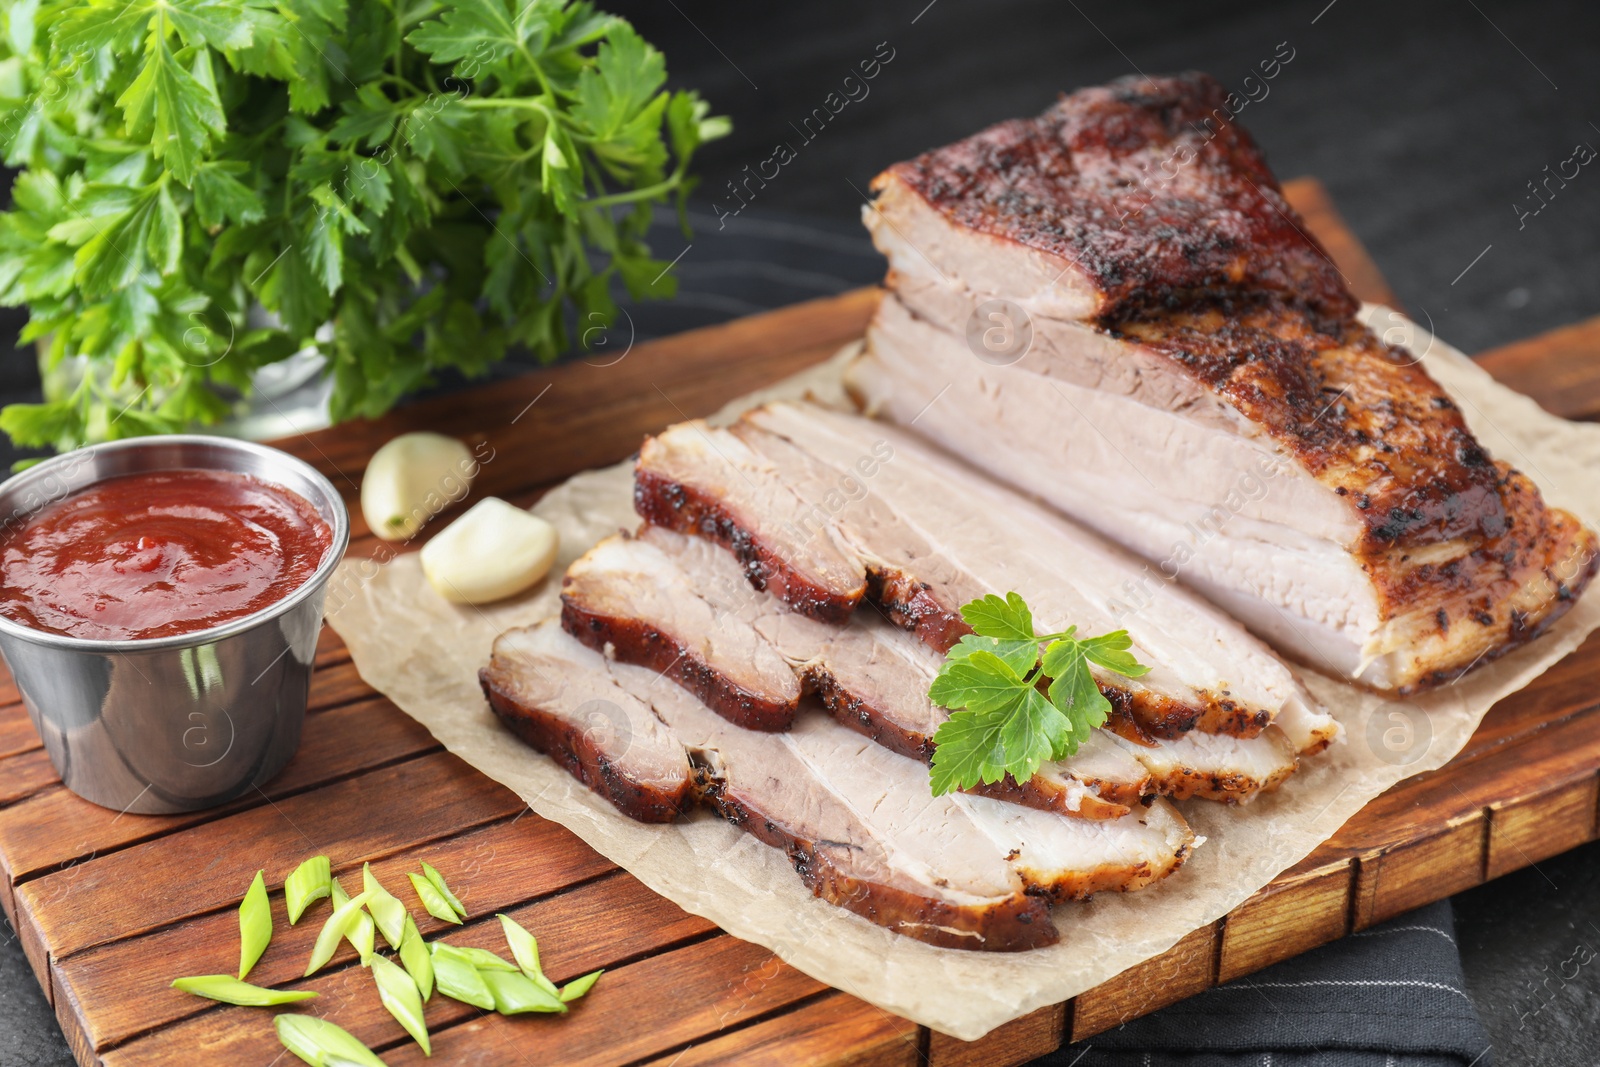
<point>1537,825</point>
<point>1185,969</point>
<point>345,740</point>
<point>678,992</point>
<point>1296,913</point>
<point>346,995</point>
<point>1560,369</point>
<point>209,865</point>
<point>114,995</point>
<point>1035,1034</point>
<point>835,1031</point>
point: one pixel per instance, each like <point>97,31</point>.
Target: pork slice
<point>1070,859</point>
<point>561,699</point>
<point>1233,770</point>
<point>919,869</point>
<point>1117,197</point>
<point>625,597</point>
<point>1207,673</point>
<point>1353,521</point>
<point>874,678</point>
<point>699,479</point>
<point>1062,859</point>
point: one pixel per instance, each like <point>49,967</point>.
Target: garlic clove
<point>493,551</point>
<point>411,479</point>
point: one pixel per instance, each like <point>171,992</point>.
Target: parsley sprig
<point>1002,723</point>
<point>439,181</point>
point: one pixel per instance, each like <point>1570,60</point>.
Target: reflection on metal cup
<point>177,723</point>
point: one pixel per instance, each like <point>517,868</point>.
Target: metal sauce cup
<point>171,724</point>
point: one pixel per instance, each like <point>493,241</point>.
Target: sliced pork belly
<point>627,598</point>
<point>856,820</point>
<point>933,534</point>
<point>872,678</point>
<point>1118,197</point>
<point>562,700</point>
<point>1316,484</point>
<point>797,559</point>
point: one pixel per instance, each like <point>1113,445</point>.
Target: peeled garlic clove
<point>413,478</point>
<point>494,550</point>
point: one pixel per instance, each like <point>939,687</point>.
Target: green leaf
<point>980,681</point>
<point>579,986</point>
<point>176,108</point>
<point>400,996</point>
<point>481,31</point>
<point>1007,619</point>
<point>433,900</point>
<point>1111,652</point>
<point>385,908</point>
<point>1014,738</point>
<point>217,23</point>
<point>459,980</point>
<point>626,75</point>
<point>219,196</point>
<point>1001,724</point>
<point>1020,654</point>
<point>417,959</point>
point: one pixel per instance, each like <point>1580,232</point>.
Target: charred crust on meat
<point>660,501</point>
<point>633,641</point>
<point>579,755</point>
<point>1015,923</point>
<point>1075,183</point>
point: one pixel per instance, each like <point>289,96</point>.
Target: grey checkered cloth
<point>1391,996</point>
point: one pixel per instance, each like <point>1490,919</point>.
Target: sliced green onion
<point>418,961</point>
<point>514,993</point>
<point>229,990</point>
<point>525,950</point>
<point>437,903</point>
<point>361,937</point>
<point>579,986</point>
<point>345,918</point>
<point>459,980</point>
<point>482,959</point>
<point>400,995</point>
<point>309,883</point>
<point>255,924</point>
<point>321,1043</point>
<point>433,876</point>
<point>386,910</point>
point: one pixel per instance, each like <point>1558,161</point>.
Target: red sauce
<point>157,554</point>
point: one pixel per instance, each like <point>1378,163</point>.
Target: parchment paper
<point>424,653</point>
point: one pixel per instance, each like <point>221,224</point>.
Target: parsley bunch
<point>1002,723</point>
<point>437,180</point>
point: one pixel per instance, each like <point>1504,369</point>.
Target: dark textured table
<point>1426,120</point>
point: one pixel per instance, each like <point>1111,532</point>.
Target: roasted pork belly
<point>856,820</point>
<point>1118,197</point>
<point>871,677</point>
<point>1315,483</point>
<point>1177,364</point>
<point>569,707</point>
<point>931,535</point>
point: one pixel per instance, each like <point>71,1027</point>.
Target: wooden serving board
<point>110,908</point>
